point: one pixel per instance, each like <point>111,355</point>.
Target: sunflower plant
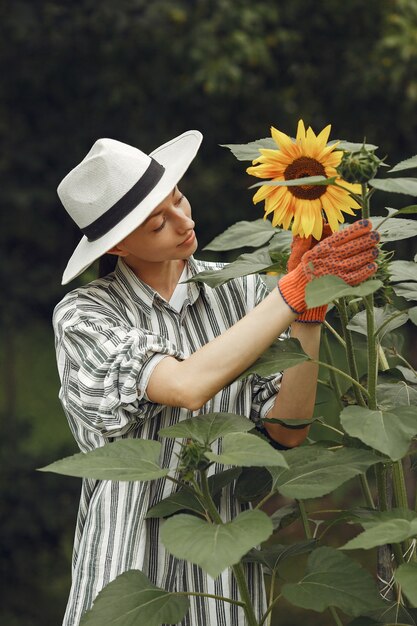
<point>364,428</point>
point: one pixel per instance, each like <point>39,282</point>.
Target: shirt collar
<point>144,295</point>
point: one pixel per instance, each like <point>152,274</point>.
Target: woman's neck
<point>163,277</point>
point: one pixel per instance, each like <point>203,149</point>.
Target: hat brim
<point>176,156</point>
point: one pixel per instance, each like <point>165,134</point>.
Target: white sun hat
<point>115,188</point>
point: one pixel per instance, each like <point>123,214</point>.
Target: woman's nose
<point>184,222</point>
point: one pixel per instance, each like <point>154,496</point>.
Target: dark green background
<point>142,72</point>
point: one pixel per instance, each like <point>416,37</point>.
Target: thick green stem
<point>237,569</point>
<point>208,595</point>
<point>400,490</point>
<point>384,553</point>
<point>381,483</point>
<point>400,495</point>
<point>365,201</point>
<point>350,353</point>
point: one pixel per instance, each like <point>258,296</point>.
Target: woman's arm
<point>297,394</point>
<point>191,383</point>
<point>349,254</point>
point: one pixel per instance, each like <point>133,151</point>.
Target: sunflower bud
<point>192,458</point>
<point>359,167</point>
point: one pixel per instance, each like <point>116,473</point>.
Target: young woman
<point>139,350</point>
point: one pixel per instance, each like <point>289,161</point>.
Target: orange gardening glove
<point>299,246</point>
<point>349,254</point>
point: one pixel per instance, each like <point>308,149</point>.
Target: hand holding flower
<point>349,254</point>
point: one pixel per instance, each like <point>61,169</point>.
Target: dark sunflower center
<point>301,168</point>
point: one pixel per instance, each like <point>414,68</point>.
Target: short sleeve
<point>264,392</point>
<point>110,367</point>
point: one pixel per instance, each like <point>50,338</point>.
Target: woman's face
<point>167,234</point>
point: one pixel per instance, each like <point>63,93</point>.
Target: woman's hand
<point>349,254</point>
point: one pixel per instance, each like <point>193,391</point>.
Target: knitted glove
<point>299,246</point>
<point>349,254</point>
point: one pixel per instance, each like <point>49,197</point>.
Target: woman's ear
<point>117,251</point>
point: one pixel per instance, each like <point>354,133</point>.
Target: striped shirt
<point>110,335</point>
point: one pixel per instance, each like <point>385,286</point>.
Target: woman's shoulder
<point>86,301</point>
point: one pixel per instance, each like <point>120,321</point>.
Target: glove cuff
<point>292,289</point>
<point>313,316</point>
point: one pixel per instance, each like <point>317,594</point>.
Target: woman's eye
<point>161,226</point>
<point>180,199</point>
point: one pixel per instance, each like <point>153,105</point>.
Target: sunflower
<point>302,206</point>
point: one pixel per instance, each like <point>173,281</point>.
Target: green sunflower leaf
<point>296,182</point>
<point>386,320</point>
<point>325,289</point>
<point>281,355</point>
<point>402,270</point>
<point>393,395</point>
<point>394,229</point>
<point>245,264</point>
<point>350,146</point>
<point>180,501</point>
<point>334,580</point>
<point>208,427</point>
<point>272,556</point>
<point>389,432</point>
<point>406,290</point>
<point>246,450</point>
<point>243,234</point>
<point>407,210</point>
<point>214,547</point>
<point>250,151</point>
<point>253,483</point>
<point>407,186</point>
<point>407,164</point>
<point>218,481</point>
<point>128,459</point>
<point>406,576</point>
<point>132,599</point>
<point>314,471</point>
<point>392,530</point>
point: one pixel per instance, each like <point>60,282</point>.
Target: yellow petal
<point>281,139</point>
<point>323,137</point>
<point>307,217</point>
<point>351,187</point>
<point>318,228</point>
<point>330,213</point>
<point>310,142</point>
<point>301,132</point>
<point>262,193</point>
<point>274,199</point>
